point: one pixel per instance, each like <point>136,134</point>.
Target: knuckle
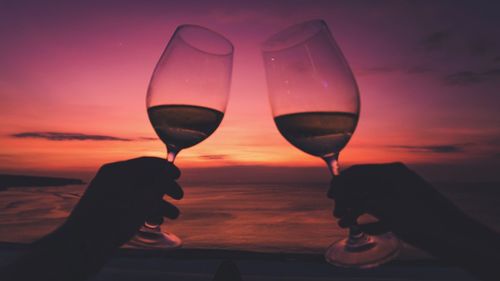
<point>106,168</point>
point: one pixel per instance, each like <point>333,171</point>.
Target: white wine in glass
<point>317,133</point>
<point>315,103</point>
<point>186,101</point>
<point>182,126</point>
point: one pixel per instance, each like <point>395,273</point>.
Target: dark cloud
<point>431,148</point>
<point>480,46</point>
<point>147,139</point>
<point>435,40</point>
<point>496,59</point>
<point>464,78</point>
<point>213,156</point>
<point>59,136</point>
<point>460,43</point>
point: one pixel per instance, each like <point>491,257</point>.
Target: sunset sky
<point>428,73</point>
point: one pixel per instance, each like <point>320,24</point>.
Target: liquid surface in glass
<point>182,126</point>
<point>317,133</point>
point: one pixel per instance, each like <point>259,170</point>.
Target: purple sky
<point>428,72</point>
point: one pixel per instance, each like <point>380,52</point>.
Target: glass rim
<point>275,43</point>
<point>219,36</point>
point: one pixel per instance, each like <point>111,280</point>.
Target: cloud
<point>459,42</point>
<point>213,157</point>
<point>146,139</point>
<point>435,40</point>
<point>496,59</point>
<point>59,136</point>
<point>480,46</point>
<point>465,78</point>
<point>432,148</point>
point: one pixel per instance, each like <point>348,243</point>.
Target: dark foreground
<point>199,264</point>
<point>251,224</point>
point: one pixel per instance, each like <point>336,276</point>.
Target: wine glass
<point>315,104</point>
<point>186,101</point>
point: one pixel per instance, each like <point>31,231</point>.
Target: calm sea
<point>256,217</point>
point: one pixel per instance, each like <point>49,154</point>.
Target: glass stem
<point>171,154</point>
<point>155,223</point>
<point>333,165</point>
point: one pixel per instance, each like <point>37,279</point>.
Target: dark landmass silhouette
<point>30,181</point>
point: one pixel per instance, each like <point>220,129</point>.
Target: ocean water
<point>255,217</point>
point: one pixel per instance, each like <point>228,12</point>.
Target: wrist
<point>87,237</point>
<point>59,256</point>
<point>465,242</point>
<point>72,249</point>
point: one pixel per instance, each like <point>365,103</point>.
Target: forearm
<point>58,256</point>
<point>471,246</point>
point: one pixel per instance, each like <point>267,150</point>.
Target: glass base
<point>154,238</point>
<point>363,251</point>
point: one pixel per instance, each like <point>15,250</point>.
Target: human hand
<point>120,198</point>
<point>400,199</point>
<point>116,203</point>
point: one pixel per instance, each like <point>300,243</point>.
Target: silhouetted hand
<point>402,201</point>
<point>121,197</point>
<point>116,203</point>
<point>410,207</point>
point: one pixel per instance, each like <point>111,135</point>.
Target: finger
<point>337,188</point>
<point>340,208</point>
<point>163,184</point>
<point>152,165</point>
<point>172,170</point>
<point>346,206</point>
<point>166,209</point>
<point>374,228</point>
<point>174,190</point>
<point>349,219</point>
<point>154,220</point>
